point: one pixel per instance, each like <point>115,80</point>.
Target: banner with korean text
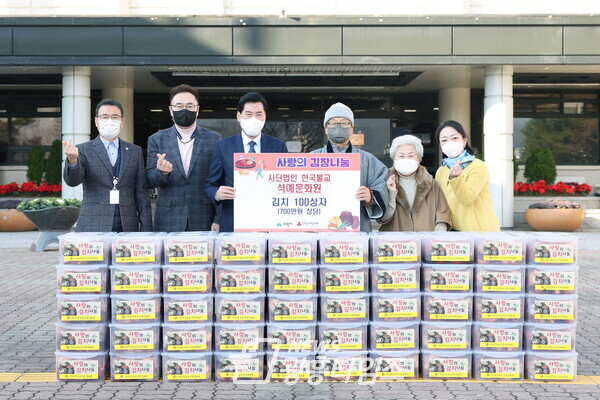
<point>296,192</point>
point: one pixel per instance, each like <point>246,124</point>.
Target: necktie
<point>252,144</point>
<point>112,153</point>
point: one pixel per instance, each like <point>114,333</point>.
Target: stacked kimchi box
<point>340,306</point>
<point>240,276</point>
<point>550,328</point>
<point>345,305</point>
<point>136,306</point>
<point>188,301</point>
<point>292,306</point>
<point>447,283</point>
<point>82,304</point>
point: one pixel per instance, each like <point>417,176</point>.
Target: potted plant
<point>52,216</point>
<point>555,215</point>
<point>12,220</point>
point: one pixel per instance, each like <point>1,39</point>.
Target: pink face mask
<point>453,148</point>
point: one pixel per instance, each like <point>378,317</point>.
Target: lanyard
<point>117,169</point>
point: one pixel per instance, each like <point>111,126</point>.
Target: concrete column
<point>76,114</point>
<point>124,96</point>
<point>455,103</point>
<point>498,139</point>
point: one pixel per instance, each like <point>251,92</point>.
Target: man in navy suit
<point>251,114</point>
<point>178,163</point>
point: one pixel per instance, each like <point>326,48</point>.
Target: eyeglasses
<point>106,117</point>
<point>336,124</point>
<point>189,107</point>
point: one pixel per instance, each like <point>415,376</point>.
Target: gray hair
<point>407,139</point>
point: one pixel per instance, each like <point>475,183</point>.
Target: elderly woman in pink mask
<point>417,202</point>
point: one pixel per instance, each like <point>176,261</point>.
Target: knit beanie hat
<point>339,110</point>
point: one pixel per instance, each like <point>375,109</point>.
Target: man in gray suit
<point>115,194</point>
<point>178,162</point>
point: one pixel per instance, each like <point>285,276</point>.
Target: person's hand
<point>391,184</point>
<point>225,193</point>
<point>71,151</point>
<point>163,165</point>
<point>215,227</point>
<point>455,170</point>
<point>364,194</point>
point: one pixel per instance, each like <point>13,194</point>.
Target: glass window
<point>35,131</point>
<point>547,107</point>
<point>377,133</point>
<point>529,95</point>
<point>310,135</point>
<point>225,126</point>
<point>581,95</point>
<point>572,140</point>
<point>591,108</point>
<point>3,131</point>
<point>521,107</point>
<point>20,157</point>
<point>573,107</point>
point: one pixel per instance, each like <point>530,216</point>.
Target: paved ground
<point>27,316</point>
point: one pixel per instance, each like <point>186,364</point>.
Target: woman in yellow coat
<point>465,181</point>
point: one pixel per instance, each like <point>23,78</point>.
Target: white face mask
<point>109,129</point>
<point>406,166</point>
<point>252,126</point>
<point>453,148</point>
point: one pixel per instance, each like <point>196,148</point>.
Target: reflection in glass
<point>3,131</point>
<point>571,140</point>
<point>20,158</point>
<point>35,131</point>
<point>547,107</point>
<point>377,133</point>
<point>309,134</point>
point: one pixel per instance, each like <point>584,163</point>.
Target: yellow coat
<point>469,197</point>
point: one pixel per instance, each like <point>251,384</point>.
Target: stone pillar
<point>498,139</point>
<point>123,95</point>
<point>76,114</point>
<point>455,103</point>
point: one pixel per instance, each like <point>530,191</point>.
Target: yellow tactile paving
<point>581,380</point>
<point>9,377</point>
<point>37,377</point>
<point>51,377</point>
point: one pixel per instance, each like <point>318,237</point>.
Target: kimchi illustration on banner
<point>296,192</point>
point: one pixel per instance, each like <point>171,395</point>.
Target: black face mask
<point>184,118</point>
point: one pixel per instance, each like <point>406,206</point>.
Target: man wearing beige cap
<point>372,192</point>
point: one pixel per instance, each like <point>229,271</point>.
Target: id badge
<point>114,196</point>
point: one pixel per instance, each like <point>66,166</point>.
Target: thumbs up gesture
<point>71,151</point>
<point>163,165</point>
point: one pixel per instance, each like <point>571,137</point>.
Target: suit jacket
<point>181,198</point>
<point>95,172</point>
<point>221,170</point>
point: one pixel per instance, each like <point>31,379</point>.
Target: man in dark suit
<point>178,163</point>
<point>251,114</point>
<point>115,195</point>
